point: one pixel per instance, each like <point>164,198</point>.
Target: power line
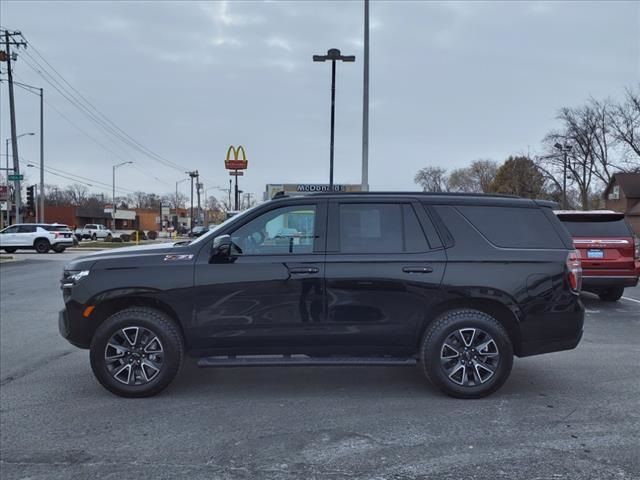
<point>87,108</point>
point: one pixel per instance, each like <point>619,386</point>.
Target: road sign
<point>236,173</point>
<point>13,177</point>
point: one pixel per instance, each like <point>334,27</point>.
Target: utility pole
<point>365,103</point>
<point>565,149</point>
<point>12,113</point>
<point>198,187</point>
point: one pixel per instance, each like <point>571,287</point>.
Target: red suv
<point>609,250</point>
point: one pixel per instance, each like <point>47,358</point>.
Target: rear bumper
<point>552,331</point>
<point>601,281</point>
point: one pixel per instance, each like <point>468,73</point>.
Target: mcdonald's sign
<point>236,163</point>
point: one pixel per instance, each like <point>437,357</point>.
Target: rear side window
<point>513,227</point>
<point>380,228</point>
<point>596,227</point>
<point>26,229</point>
<point>55,228</point>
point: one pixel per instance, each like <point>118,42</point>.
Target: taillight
<point>636,242</point>
<point>574,268</point>
<point>56,234</point>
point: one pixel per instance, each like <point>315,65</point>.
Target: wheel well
<point>107,308</point>
<point>41,238</point>
<point>494,308</point>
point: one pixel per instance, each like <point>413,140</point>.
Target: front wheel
<point>612,294</point>
<point>41,245</point>
<point>136,352</point>
<point>467,354</point>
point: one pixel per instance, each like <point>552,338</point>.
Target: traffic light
<point>31,204</point>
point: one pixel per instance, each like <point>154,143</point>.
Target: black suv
<point>457,284</point>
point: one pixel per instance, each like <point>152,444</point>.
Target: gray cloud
<point>450,82</point>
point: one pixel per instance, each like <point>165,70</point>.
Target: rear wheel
<point>612,294</point>
<point>467,354</point>
<point>58,248</point>
<point>41,245</point>
<point>10,249</point>
<point>136,352</point>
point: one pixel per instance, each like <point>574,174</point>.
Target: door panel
<point>381,273</point>
<point>271,294</point>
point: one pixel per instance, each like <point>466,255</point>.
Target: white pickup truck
<point>93,231</point>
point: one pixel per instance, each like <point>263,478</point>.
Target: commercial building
<point>297,189</point>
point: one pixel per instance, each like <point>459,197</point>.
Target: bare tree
<point>432,179</point>
<point>77,194</point>
<point>624,121</point>
<point>475,178</point>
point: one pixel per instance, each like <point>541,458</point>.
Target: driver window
<point>13,229</point>
<point>286,230</point>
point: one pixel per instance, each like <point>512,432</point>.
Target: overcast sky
<point>450,83</point>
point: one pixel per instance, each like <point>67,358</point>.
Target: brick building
<point>623,195</point>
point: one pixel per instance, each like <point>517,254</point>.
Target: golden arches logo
<point>236,163</point>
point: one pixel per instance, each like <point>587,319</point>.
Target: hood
<point>138,249</point>
<point>128,255</point>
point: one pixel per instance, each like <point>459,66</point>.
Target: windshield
<point>212,233</point>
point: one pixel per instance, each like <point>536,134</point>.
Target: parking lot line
<point>631,299</point>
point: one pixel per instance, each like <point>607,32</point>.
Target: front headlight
<point>71,277</point>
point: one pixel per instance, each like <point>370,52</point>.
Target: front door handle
<point>417,269</point>
<point>304,270</point>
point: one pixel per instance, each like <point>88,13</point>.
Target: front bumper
<point>75,329</point>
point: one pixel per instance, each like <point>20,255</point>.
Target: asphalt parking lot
<point>566,415</point>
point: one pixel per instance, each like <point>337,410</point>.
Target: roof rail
<point>445,194</point>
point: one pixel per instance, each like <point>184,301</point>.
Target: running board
<point>303,361</point>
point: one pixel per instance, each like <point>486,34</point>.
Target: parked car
<point>609,250</point>
<point>94,232</point>
<point>40,237</point>
<point>198,231</point>
<point>457,284</point>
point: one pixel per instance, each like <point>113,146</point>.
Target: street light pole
<point>365,103</point>
<point>41,156</point>
<point>7,170</point>
<point>333,54</point>
<point>113,197</point>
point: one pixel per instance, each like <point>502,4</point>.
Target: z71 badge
<point>177,258</point>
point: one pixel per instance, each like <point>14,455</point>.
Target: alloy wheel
<point>469,357</point>
<point>134,355</point>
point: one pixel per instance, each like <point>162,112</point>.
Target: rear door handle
<point>304,270</point>
<point>417,269</point>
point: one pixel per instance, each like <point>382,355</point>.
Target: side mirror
<point>220,249</point>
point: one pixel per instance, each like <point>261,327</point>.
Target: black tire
<point>94,237</point>
<point>612,294</point>
<point>145,319</point>
<point>78,237</point>
<point>10,249</point>
<point>42,245</point>
<point>443,372</point>
<point>58,248</point>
